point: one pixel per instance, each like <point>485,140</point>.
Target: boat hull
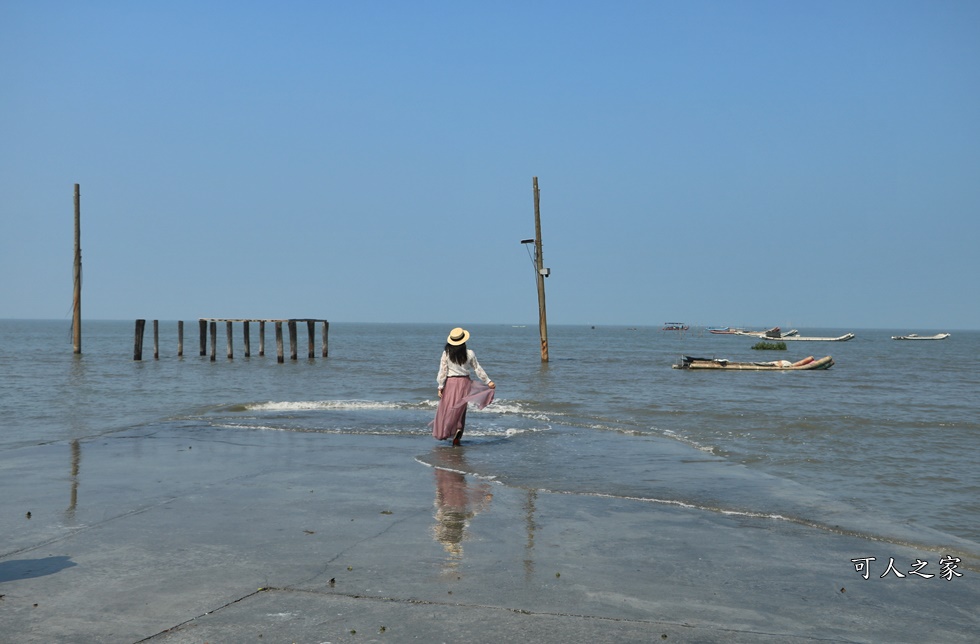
<point>775,334</point>
<point>842,338</point>
<point>772,334</point>
<point>807,364</point>
<point>915,336</point>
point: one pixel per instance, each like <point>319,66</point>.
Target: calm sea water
<point>886,443</point>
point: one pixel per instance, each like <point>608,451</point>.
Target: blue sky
<point>748,163</point>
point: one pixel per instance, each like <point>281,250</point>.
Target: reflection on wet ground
<point>457,502</point>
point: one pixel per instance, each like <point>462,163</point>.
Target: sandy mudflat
<point>268,537</point>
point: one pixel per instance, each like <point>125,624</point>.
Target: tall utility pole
<point>542,273</point>
<point>76,320</point>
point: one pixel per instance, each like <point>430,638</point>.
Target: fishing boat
<point>722,364</point>
<point>840,338</point>
<point>916,336</point>
<point>775,334</point>
<point>675,326</point>
<point>724,330</point>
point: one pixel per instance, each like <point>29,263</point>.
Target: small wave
<point>320,405</point>
<point>687,441</point>
<point>483,477</point>
<point>652,431</point>
<point>350,431</point>
<point>516,409</point>
<point>681,504</point>
<point>498,406</point>
<point>472,432</point>
<point>955,547</point>
<point>508,432</point>
<point>250,427</point>
<point>370,405</point>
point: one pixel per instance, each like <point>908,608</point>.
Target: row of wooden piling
<point>209,327</point>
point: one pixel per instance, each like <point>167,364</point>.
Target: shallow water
<point>885,443</point>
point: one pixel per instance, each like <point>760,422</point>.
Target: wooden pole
<point>541,271</point>
<point>76,321</point>
<point>208,326</point>
<point>292,339</point>
<point>76,459</point>
<point>138,340</point>
<point>279,357</point>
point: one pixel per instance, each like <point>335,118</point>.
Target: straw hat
<point>458,336</point>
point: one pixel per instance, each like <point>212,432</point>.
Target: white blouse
<point>449,368</point>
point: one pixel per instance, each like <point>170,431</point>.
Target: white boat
<point>916,336</point>
<point>724,330</point>
<point>840,338</point>
<point>721,364</point>
<point>775,334</point>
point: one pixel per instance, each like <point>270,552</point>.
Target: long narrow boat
<point>731,330</point>
<point>756,334</point>
<point>916,336</point>
<point>723,330</point>
<point>773,333</point>
<point>841,338</point>
<point>721,364</point>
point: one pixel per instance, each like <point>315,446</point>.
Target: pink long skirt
<point>451,413</point>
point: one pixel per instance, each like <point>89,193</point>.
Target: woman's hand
<point>440,393</point>
<point>491,385</point>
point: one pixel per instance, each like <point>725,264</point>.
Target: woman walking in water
<point>456,389</point>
